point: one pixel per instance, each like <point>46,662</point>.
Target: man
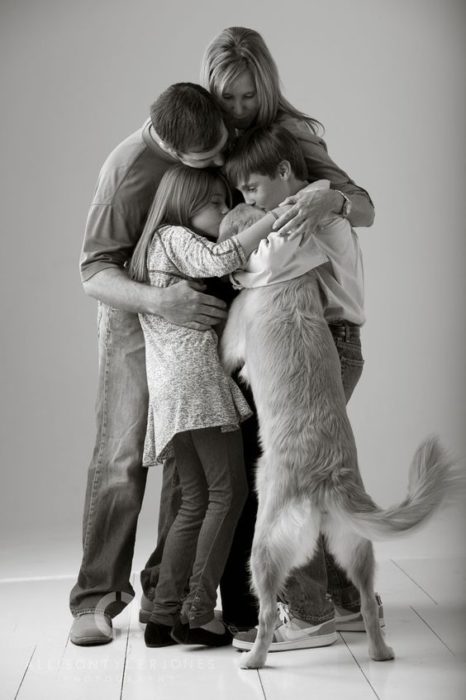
<point>185,125</point>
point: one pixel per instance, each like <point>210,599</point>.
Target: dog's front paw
<point>244,374</point>
<point>251,660</point>
<point>384,653</point>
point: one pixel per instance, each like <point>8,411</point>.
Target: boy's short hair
<point>261,150</point>
<point>187,118</point>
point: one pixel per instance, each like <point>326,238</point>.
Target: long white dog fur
<point>308,478</point>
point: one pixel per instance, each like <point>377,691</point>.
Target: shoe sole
<point>90,641</point>
<point>170,643</point>
<point>323,640</point>
<point>356,625</point>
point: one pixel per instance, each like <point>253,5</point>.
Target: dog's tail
<point>433,480</point>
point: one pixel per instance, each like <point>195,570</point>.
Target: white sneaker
<point>292,634</point>
<point>347,621</point>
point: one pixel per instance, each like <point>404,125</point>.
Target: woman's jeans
<point>213,485</point>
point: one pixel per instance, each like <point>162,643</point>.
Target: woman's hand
<point>309,208</point>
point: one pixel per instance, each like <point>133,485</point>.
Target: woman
<point>239,70</point>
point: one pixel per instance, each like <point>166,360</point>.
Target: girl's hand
<point>309,208</point>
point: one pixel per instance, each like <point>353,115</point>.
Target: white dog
<point>308,478</point>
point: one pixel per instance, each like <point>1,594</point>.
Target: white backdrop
<point>386,77</point>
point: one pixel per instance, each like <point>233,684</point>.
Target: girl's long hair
<point>237,49</point>
<point>181,193</point>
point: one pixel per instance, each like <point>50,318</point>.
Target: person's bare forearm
<point>183,303</point>
<point>113,287</point>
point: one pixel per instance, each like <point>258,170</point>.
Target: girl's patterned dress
<point>188,387</point>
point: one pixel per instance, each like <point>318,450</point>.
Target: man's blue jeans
<point>116,479</point>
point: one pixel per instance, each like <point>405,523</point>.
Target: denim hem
<point>312,619</point>
<point>86,611</point>
<point>162,618</point>
<point>353,607</point>
<point>198,620</point>
<point>347,598</point>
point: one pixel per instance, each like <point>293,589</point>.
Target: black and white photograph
<point>233,325</point>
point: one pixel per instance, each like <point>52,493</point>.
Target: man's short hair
<point>261,150</point>
<point>187,118</point>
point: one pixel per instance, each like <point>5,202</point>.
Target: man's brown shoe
<point>90,629</point>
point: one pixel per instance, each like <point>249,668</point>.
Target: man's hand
<point>185,304</point>
<point>309,208</point>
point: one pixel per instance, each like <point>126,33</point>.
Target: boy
<point>267,166</point>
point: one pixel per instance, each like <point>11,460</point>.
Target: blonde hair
<point>181,193</point>
<point>237,49</point>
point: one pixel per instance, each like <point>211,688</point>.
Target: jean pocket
<point>349,352</point>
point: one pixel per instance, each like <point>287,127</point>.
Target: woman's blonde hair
<point>181,193</point>
<point>237,49</point>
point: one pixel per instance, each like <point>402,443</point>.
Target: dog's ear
<point>228,227</point>
<point>238,219</point>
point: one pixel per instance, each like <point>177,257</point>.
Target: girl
<point>194,408</point>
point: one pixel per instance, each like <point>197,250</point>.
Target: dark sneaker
<point>293,634</point>
<point>158,635</point>
<point>184,634</point>
<point>91,629</point>
<point>348,621</point>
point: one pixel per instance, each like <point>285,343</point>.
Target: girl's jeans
<point>213,484</point>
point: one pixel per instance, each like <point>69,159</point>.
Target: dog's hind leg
<point>284,538</point>
<point>356,555</point>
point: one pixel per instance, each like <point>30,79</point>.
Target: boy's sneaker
<point>292,634</point>
<point>347,621</point>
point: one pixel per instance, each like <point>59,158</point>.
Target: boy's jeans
<point>306,589</point>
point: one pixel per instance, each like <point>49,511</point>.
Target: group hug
<point>221,248</point>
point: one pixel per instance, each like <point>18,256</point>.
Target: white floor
<point>424,601</point>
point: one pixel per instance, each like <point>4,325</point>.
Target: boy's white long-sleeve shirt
<point>333,251</point>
